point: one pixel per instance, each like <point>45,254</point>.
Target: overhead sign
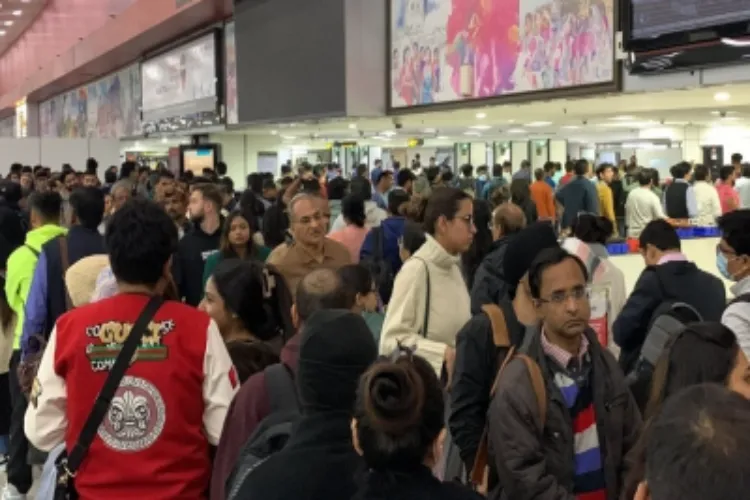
<point>180,82</point>
<point>415,143</point>
<point>448,50</point>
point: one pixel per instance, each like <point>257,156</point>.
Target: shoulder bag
<point>67,465</point>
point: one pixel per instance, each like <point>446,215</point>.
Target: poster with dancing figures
<point>454,50</point>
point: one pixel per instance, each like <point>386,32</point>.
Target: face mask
<point>483,178</point>
<point>721,264</point>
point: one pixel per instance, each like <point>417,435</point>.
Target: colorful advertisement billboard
<point>456,50</point>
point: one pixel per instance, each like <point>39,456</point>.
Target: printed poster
<point>114,105</point>
<point>455,50</point>
<point>230,74</point>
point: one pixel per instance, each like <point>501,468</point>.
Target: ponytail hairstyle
<point>353,210</point>
<point>399,413</point>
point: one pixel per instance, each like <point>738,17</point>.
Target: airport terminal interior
<point>370,249</point>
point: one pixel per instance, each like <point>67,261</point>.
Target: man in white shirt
<point>706,197</point>
<point>733,262</point>
<point>642,205</point>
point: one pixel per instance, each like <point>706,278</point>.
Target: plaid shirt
<point>560,355</point>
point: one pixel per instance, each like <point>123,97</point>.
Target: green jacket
<point>213,260</point>
<point>21,265</point>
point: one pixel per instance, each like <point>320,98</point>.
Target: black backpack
<point>379,266</point>
<point>273,431</point>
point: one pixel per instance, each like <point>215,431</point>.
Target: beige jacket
<point>6,345</point>
<point>450,305</point>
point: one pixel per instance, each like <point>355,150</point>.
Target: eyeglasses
<point>560,297</point>
<point>468,219</point>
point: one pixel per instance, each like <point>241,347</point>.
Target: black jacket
<point>489,280</point>
<point>12,232</point>
<point>677,281</point>
<point>539,465</point>
<point>418,484</point>
<point>317,463</point>
<point>477,362</point>
<point>193,250</point>
<point>81,242</point>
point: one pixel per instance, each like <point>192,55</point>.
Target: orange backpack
<point>480,471</point>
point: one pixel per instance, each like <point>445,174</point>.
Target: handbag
<point>67,464</point>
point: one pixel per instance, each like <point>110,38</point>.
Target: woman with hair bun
<point>398,429</point>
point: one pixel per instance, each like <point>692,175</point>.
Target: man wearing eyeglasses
<point>569,439</point>
<point>309,248</point>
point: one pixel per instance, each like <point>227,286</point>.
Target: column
<point>478,153</point>
<point>519,151</point>
<point>558,150</point>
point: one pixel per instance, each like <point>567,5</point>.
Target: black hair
<point>601,169</point>
<point>310,186</point>
<point>547,258</point>
<point>337,188</point>
<point>497,170</point>
<point>6,313</point>
<point>16,168</point>
<point>399,412</point>
<point>66,167</point>
<point>27,169</point>
<point>322,289</point>
<point>539,174</point>
<point>655,177</point>
<point>725,172</point>
<point>357,277</point>
<point>361,187</point>
<point>382,175</point>
<point>257,294</point>
<point>255,182</point>
<point>413,237</point>
<point>221,168</point>
<point>680,170</point>
<point>446,176</point>
<point>286,169</point>
<point>660,234</point>
<point>92,165</point>
<point>736,158</point>
<point>110,177</point>
<point>581,167</point>
<point>353,210</point>
<point>140,239</point>
<point>269,183</point>
<point>645,176</point>
<point>443,202</point>
<point>226,184</point>
<point>251,202</point>
<point>520,192</point>
<point>66,174</point>
<point>698,446</point>
<point>733,226</point>
<point>746,170</point>
<point>549,167</point>
<point>432,173</point>
<point>128,167</point>
<point>397,201</point>
<point>467,170</point>
<point>569,166</point>
<point>226,249</point>
<point>88,206</point>
<point>701,173</point>
<point>48,205</point>
<point>482,242</point>
<point>403,176</point>
<point>591,228</point>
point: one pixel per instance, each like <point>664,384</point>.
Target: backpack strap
<point>426,319</point>
<point>33,250</point>
<point>281,388</point>
<point>377,243</point>
<point>745,297</point>
<point>500,335</point>
<point>65,262</point>
<point>479,472</point>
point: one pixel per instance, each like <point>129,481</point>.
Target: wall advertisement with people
<point>230,74</point>
<point>456,50</point>
<point>108,108</point>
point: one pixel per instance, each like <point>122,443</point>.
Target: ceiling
<point>576,119</point>
<point>15,17</point>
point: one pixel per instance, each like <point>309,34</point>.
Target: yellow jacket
<point>606,202</point>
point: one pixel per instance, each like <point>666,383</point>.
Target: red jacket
<point>250,406</point>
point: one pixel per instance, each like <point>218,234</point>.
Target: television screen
<point>196,159</point>
<point>655,18</point>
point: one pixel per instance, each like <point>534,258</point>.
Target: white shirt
<point>736,317</point>
<point>707,200</point>
<point>641,207</point>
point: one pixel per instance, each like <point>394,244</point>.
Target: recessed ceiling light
<point>516,131</point>
<point>722,96</point>
<point>429,131</point>
<point>539,124</point>
<point>511,121</point>
<point>288,137</point>
<point>352,125</point>
<point>481,116</point>
<point>274,132</point>
<point>8,23</point>
<point>388,133</point>
<point>480,127</point>
<point>623,117</point>
<point>571,127</point>
<point>17,12</point>
<point>474,134</point>
<point>163,140</point>
<point>441,138</point>
<point>2,32</point>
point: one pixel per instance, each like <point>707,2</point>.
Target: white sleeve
<point>46,420</point>
<point>220,383</point>
<point>734,319</point>
<point>716,202</point>
<point>657,208</point>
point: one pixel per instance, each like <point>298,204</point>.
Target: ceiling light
<point>516,131</point>
<point>429,131</point>
<point>511,121</point>
<point>623,117</point>
<point>388,133</point>
<point>481,116</point>
<point>571,127</point>
<point>539,124</point>
<point>352,125</point>
<point>475,134</point>
<point>442,138</point>
<point>288,137</point>
<point>17,12</point>
<point>163,140</point>
<point>722,96</point>
<point>480,127</point>
<point>2,32</point>
<point>274,132</point>
<point>8,23</point>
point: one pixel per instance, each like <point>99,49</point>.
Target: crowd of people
<point>395,334</point>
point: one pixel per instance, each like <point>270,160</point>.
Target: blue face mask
<point>482,178</point>
<point>721,264</point>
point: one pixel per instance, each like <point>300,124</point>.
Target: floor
<point>37,472</point>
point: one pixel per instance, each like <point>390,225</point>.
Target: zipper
<point>616,401</point>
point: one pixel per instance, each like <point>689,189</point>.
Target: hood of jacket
<point>393,227</point>
<point>493,261</point>
<point>433,252</point>
<point>41,235</point>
